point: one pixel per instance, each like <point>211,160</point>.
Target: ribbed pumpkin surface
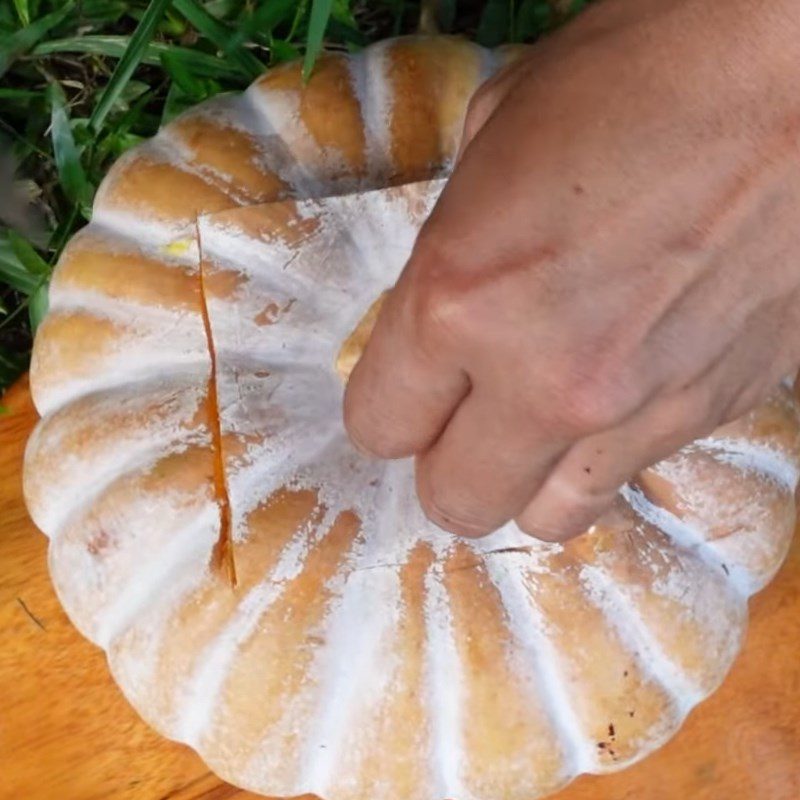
<point>362,652</point>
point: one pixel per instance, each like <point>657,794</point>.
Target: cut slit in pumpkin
<point>223,550</point>
<point>348,356</point>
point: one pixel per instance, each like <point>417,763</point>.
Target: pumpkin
<point>278,601</point>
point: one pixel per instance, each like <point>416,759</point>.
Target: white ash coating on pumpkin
<point>365,652</point>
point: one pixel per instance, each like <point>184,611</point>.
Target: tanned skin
<point>612,271</point>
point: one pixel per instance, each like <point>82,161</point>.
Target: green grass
<point>84,80</point>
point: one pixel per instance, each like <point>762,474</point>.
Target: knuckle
<point>440,310</point>
<point>594,399</point>
<point>586,409</point>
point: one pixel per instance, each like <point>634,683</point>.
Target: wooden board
<point>66,733</point>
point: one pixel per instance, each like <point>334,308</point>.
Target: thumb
<point>406,385</point>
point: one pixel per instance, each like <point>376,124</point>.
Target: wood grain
<point>66,733</point>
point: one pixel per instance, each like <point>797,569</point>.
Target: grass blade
<point>13,271</point>
<point>281,51</point>
<point>37,307</point>
<point>176,102</point>
<point>16,44</point>
<point>301,6</point>
<point>203,64</point>
<point>494,23</point>
<point>534,17</point>
<point>68,163</point>
<point>220,35</point>
<point>23,11</point>
<point>27,256</point>
<point>190,85</point>
<point>129,61</point>
<point>317,24</point>
<point>18,94</point>
<point>226,8</point>
<point>346,33</point>
<point>263,20</point>
<point>99,13</point>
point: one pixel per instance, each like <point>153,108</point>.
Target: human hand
<point>612,271</point>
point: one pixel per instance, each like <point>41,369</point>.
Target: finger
<point>406,384</point>
<point>486,465</point>
<point>587,478</point>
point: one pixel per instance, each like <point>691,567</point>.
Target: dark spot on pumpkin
<point>625,674</point>
<point>725,569</point>
<point>268,315</point>
<point>587,470</point>
<point>631,713</point>
<point>611,731</point>
<point>578,189</point>
<point>98,542</point>
<point>707,772</point>
<point>601,745</point>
